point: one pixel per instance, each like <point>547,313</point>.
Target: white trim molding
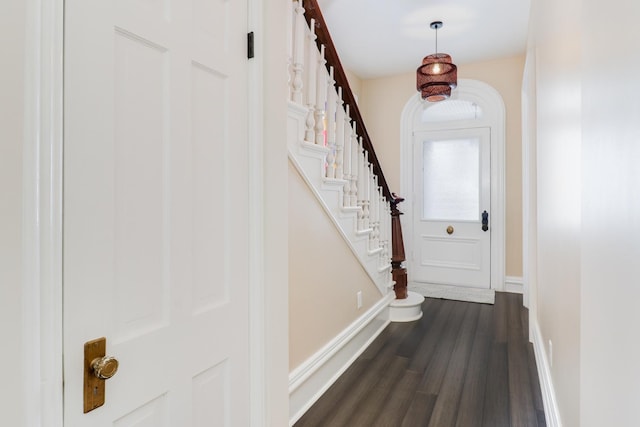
<point>513,284</point>
<point>310,380</point>
<point>493,109</point>
<point>42,213</point>
<point>551,410</point>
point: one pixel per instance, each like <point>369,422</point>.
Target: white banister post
<point>298,53</point>
<point>339,134</point>
<point>346,193</point>
<point>331,125</point>
<point>312,67</point>
<point>321,96</point>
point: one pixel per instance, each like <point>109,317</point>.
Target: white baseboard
<point>311,379</point>
<point>551,411</point>
<point>458,293</point>
<point>513,284</point>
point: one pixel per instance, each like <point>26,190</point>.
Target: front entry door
<point>452,192</point>
<point>156,210</point>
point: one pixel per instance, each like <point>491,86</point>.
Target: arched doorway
<point>474,108</point>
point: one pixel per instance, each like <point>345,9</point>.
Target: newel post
<point>398,272</point>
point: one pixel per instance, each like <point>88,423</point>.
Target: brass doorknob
<point>104,367</point>
<point>450,230</point>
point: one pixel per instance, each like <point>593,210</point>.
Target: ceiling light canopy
<point>437,75</point>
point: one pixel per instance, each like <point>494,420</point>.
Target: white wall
<point>588,204</point>
<point>610,349</point>
<point>12,42</point>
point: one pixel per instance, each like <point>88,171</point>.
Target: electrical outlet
<point>550,354</point>
<point>359,299</point>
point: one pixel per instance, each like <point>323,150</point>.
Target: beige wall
<point>383,100</point>
<point>324,276</point>
<point>12,46</point>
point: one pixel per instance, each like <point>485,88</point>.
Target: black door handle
<point>485,221</point>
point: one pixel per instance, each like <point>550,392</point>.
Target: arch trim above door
<point>493,108</point>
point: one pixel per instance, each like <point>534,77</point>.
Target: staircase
<point>331,150</point>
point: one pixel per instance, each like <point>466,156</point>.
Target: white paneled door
<point>156,209</point>
<point>452,191</point>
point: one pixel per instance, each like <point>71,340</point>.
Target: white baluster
<point>363,186</point>
<point>375,212</point>
<point>312,67</point>
<point>321,96</point>
<point>355,161</point>
<point>339,134</point>
<point>346,193</point>
<point>298,53</point>
<point>331,126</point>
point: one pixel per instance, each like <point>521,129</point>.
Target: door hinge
<point>250,50</point>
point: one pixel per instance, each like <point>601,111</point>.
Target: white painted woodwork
<point>299,40</point>
<point>155,209</point>
<point>331,125</point>
<point>311,55</point>
<point>321,97</point>
<point>462,258</point>
<point>493,117</point>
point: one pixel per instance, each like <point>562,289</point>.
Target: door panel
<point>452,189</point>
<point>155,209</point>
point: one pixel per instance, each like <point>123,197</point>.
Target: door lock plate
<point>94,389</point>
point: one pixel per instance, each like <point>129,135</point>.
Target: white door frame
<point>42,328</point>
<point>493,117</point>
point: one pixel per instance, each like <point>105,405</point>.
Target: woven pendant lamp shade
<point>437,75</point>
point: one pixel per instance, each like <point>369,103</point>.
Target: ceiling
<point>377,38</point>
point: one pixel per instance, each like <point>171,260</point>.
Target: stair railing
<point>318,82</point>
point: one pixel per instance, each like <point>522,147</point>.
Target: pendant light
<point>438,74</point>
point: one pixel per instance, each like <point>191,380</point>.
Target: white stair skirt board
<point>551,410</point>
<point>513,284</point>
<point>310,380</point>
<point>408,309</point>
<point>460,293</point>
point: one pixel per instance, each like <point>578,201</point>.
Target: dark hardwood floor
<point>462,364</point>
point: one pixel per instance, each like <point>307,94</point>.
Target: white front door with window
<point>452,191</point>
<point>156,210</point>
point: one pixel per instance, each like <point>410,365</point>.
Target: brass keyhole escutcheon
<point>98,367</point>
<point>450,229</point>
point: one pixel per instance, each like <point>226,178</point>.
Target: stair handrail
<point>312,12</point>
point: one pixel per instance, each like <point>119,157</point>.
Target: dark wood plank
<point>333,397</point>
<point>419,410</point>
<point>520,395</point>
<point>370,406</point>
<point>396,406</point>
<point>434,374</point>
<point>470,410</point>
<point>500,324</point>
<point>445,410</point>
<point>496,401</point>
<point>535,382</point>
<point>429,342</point>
